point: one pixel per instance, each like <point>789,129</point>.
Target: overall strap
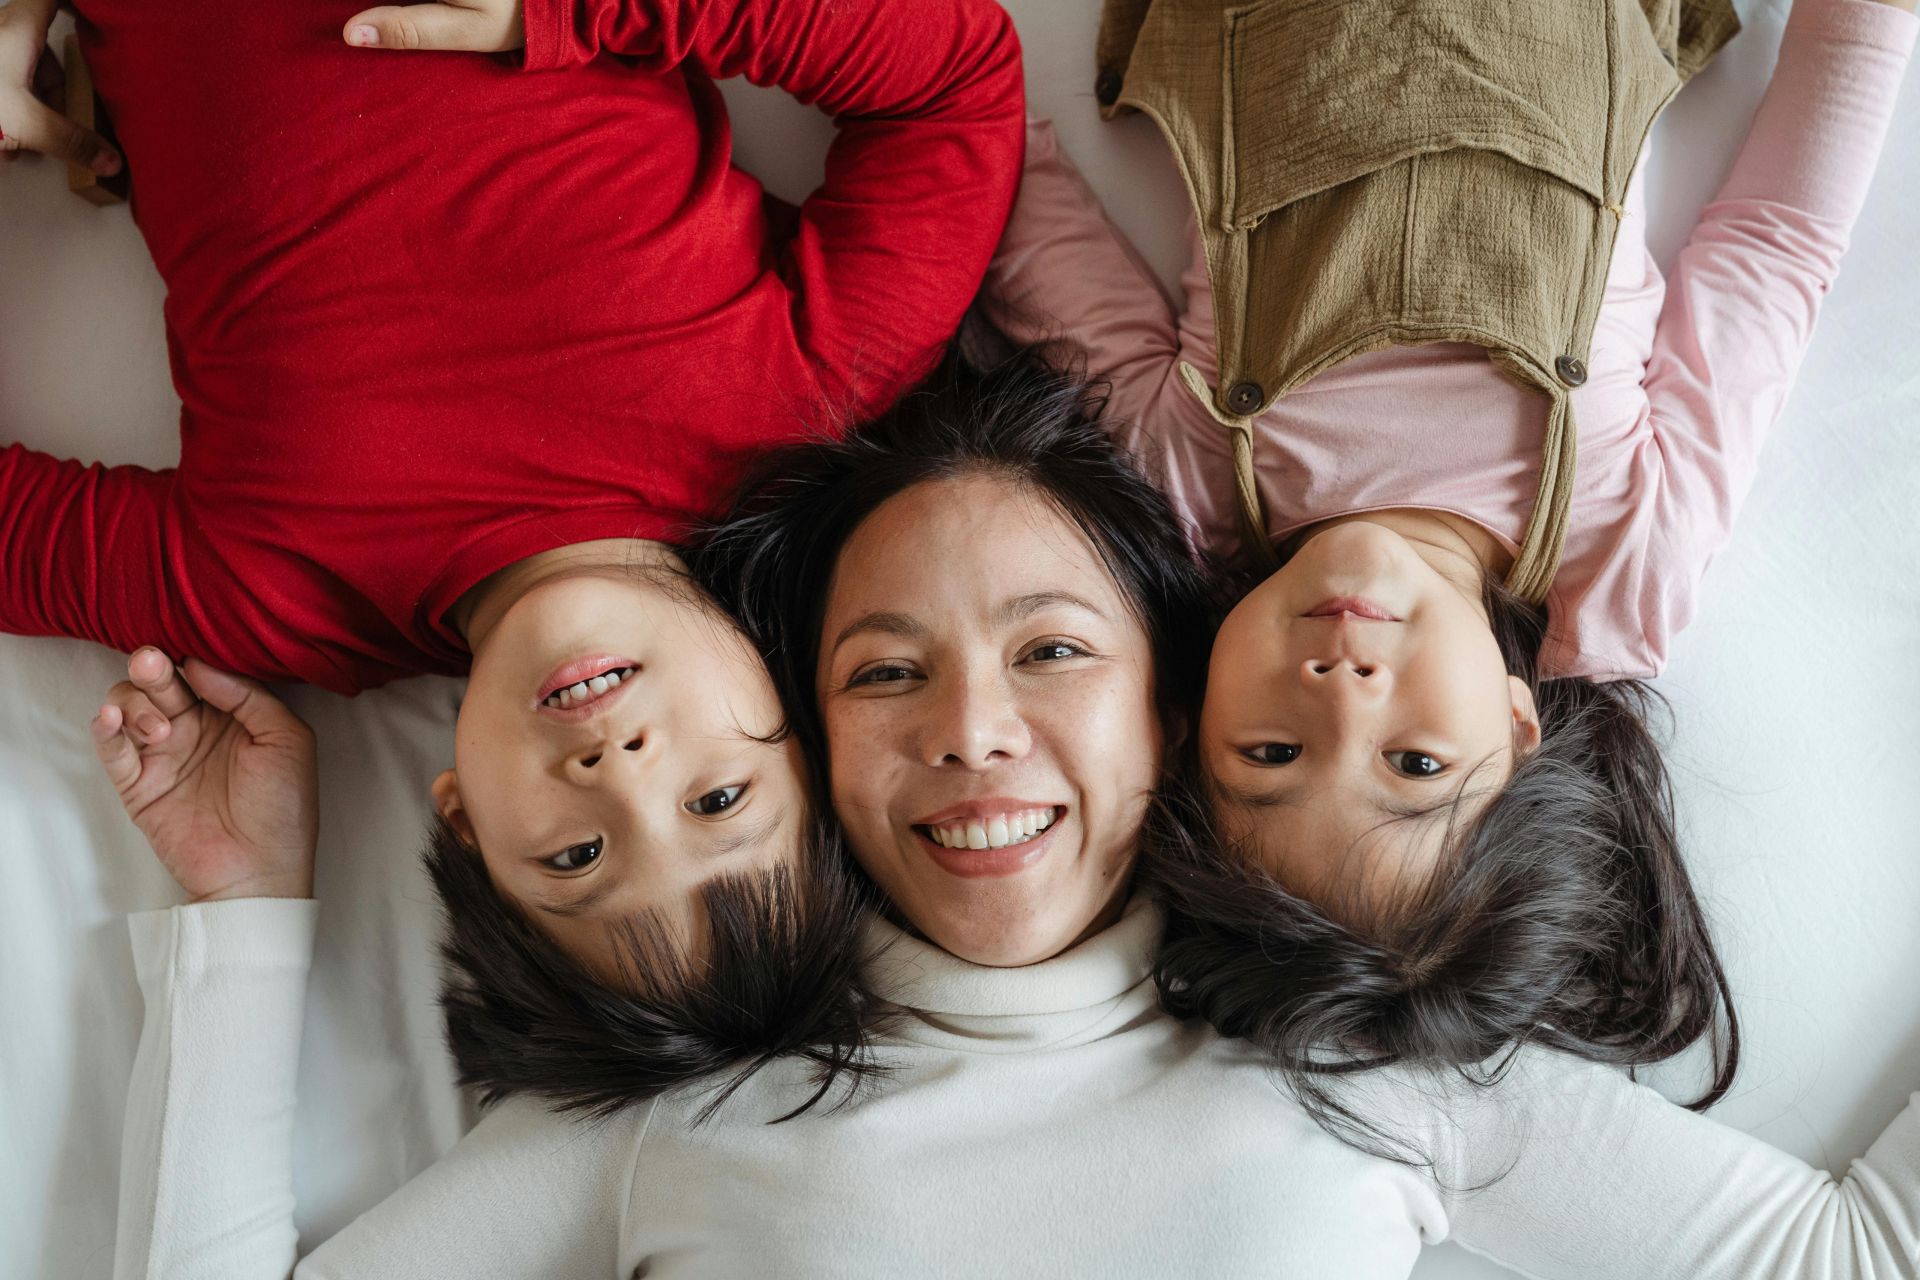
<point>1546,537</point>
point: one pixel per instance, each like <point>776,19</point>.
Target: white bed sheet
<point>1796,692</point>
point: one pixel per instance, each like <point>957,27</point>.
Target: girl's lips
<point>1354,605</point>
<point>579,671</point>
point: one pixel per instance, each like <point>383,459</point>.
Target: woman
<point>451,391</point>
<point>980,653</point>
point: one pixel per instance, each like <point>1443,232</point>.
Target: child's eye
<point>1272,753</point>
<point>1415,764</point>
<point>576,857</point>
<point>717,801</point>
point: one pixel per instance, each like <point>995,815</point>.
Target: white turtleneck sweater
<point>1038,1122</point>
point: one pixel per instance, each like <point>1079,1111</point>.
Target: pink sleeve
<point>929,98</point>
<point>1065,275</point>
<point>1744,294</point>
<point>91,552</point>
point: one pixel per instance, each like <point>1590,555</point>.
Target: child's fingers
<point>451,26</point>
<point>247,701</point>
<point>154,674</point>
<point>142,721</point>
<point>118,756</point>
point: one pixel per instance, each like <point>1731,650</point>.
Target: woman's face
<point>1352,697</point>
<point>609,762</point>
<point>992,734</point>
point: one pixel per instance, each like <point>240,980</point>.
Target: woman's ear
<point>1526,719</point>
<point>446,799</point>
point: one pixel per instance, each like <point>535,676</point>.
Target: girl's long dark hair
<point>1562,916</point>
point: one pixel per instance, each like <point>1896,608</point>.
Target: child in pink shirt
<point>1380,708</point>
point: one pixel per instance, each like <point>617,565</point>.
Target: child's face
<point>988,699</point>
<point>1327,733</point>
<point>590,814</point>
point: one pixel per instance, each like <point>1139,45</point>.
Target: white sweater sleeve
<point>207,1152</point>
<point>1583,1173</point>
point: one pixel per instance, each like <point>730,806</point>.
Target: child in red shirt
<point>463,345</point>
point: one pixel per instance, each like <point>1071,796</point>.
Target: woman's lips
<point>1354,605</point>
<point>994,837</point>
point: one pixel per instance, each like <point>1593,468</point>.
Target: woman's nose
<point>974,726</point>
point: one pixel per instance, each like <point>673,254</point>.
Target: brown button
<point>1246,397</point>
<point>1572,370</point>
<point>1106,89</point>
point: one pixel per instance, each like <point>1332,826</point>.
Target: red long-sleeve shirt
<point>430,315</point>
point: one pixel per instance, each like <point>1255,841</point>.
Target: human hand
<point>217,774</point>
<point>30,78</point>
<point>476,26</point>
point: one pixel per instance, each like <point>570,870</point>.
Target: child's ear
<point>446,799</point>
<point>1526,719</point>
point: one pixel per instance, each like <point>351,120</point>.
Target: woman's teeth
<point>993,833</point>
<point>574,694</point>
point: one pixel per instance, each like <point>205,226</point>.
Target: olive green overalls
<point>1372,173</point>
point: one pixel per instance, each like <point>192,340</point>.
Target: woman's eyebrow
<point>883,622</point>
<point>1023,607</point>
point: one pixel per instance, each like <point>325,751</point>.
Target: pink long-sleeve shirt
<point>1685,376</point>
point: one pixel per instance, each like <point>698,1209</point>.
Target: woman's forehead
<point>979,534</point>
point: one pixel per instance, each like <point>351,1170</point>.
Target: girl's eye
<point>717,801</point>
<point>1272,753</point>
<point>1415,764</point>
<point>1053,651</point>
<point>576,857</point>
<point>894,674</point>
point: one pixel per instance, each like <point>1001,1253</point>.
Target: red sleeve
<point>929,99</point>
<point>91,552</point>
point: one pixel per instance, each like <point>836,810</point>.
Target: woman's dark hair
<point>772,560</point>
<point>1560,916</point>
<point>778,976</point>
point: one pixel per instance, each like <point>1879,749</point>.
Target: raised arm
<point>220,778</point>
<point>928,97</point>
<point>1064,275</point>
<point>1744,293</point>
<point>92,552</point>
<point>1592,1175</point>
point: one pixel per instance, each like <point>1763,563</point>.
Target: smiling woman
<point>989,626</point>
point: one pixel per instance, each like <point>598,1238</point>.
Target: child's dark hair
<point>995,411</point>
<point>778,976</point>
<point>1560,916</point>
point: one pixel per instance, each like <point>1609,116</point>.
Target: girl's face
<point>992,733</point>
<point>1352,697</point>
<point>591,812</point>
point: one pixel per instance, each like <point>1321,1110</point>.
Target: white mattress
<point>1797,693</point>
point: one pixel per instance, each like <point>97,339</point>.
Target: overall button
<point>1106,89</point>
<point>1246,397</point>
<point>1572,370</point>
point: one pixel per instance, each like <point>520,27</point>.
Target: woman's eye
<point>1415,764</point>
<point>880,675</point>
<point>576,856</point>
<point>717,801</point>
<point>1273,753</point>
<point>1053,651</point>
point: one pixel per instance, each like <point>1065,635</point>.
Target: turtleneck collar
<point>1078,995</point>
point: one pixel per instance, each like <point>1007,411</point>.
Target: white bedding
<point>1796,693</point>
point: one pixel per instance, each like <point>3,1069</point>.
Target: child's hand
<point>475,26</point>
<point>218,776</point>
<point>29,79</point>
